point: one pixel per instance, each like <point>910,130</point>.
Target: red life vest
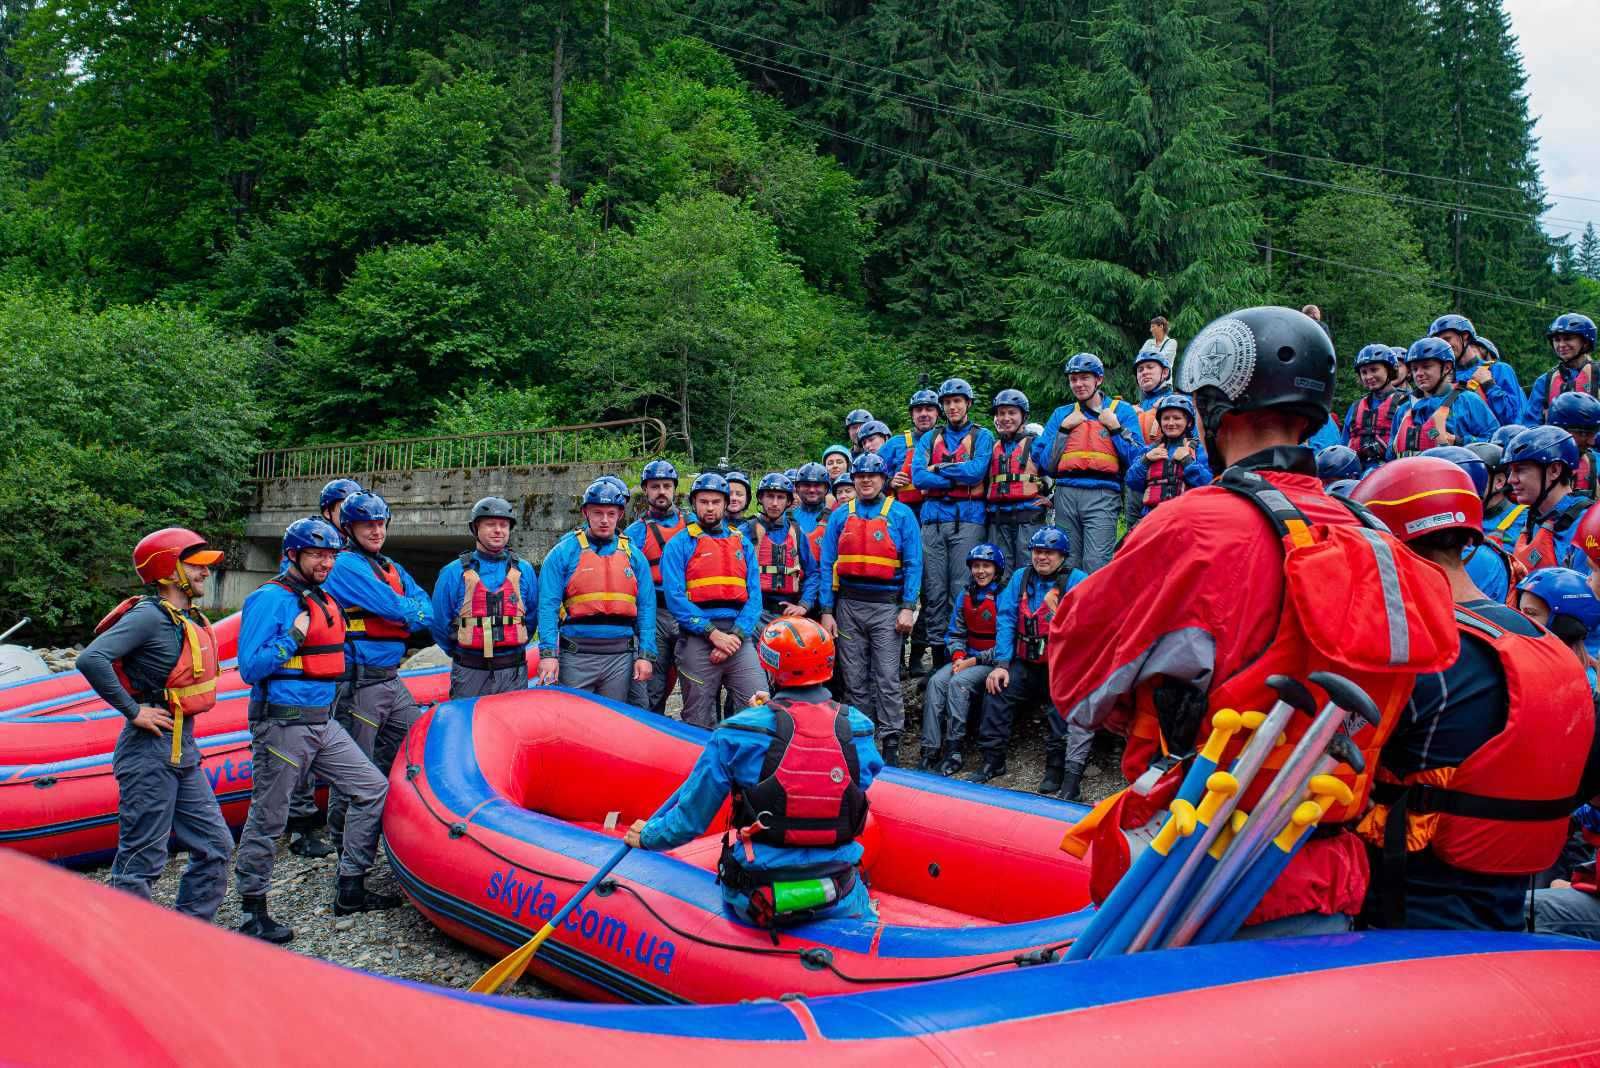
<point>602,589</point>
<point>1165,480</point>
<point>867,548</point>
<point>1585,381</point>
<point>816,535</point>
<point>1033,621</point>
<point>907,494</point>
<point>361,625</point>
<point>659,534</point>
<point>980,619</point>
<point>492,624</point>
<point>940,453</point>
<point>1372,425</point>
<point>778,563</point>
<point>191,685</point>
<point>1503,810</point>
<point>809,793</point>
<point>1013,479</point>
<point>1085,451</point>
<point>1583,475</point>
<point>321,655</point>
<point>1409,434</point>
<point>1536,546</point>
<point>715,574</point>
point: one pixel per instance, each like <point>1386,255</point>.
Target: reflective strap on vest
<point>1394,611</point>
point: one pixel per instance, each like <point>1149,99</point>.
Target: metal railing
<point>619,439</point>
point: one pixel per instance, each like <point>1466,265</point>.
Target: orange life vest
<point>981,620</point>
<point>1013,478</point>
<point>492,624</point>
<point>1536,546</point>
<point>1586,381</point>
<point>1372,425</point>
<point>1085,451</point>
<point>867,548</point>
<point>321,655</point>
<point>361,625</point>
<point>658,534</point>
<point>1503,810</point>
<point>602,589</point>
<point>715,573</point>
<point>907,494</point>
<point>191,685</point>
<point>1033,621</point>
<point>940,453</point>
<point>1409,433</point>
<point>778,563</point>
<point>1149,425</point>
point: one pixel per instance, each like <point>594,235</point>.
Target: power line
<point>1058,109</point>
<point>1019,186</point>
<point>784,67</point>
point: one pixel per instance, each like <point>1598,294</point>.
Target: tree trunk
<point>558,77</point>
<point>683,404</point>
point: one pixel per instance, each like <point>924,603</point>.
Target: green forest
<point>228,224</point>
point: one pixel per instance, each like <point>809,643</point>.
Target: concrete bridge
<point>431,484</point>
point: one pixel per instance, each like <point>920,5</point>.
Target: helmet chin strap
<point>183,583</point>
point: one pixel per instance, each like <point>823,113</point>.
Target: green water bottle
<point>804,894</point>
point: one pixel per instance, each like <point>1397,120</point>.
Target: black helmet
<point>491,508</point>
<point>1255,360</point>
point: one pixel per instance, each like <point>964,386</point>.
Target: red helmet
<point>156,557</point>
<point>1587,536</point>
<point>1420,495</point>
<point>796,651</point>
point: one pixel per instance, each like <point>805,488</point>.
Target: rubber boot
<point>891,751</point>
<point>354,896</point>
<point>257,924</point>
<point>918,669</point>
<point>1070,784</point>
<point>994,766</point>
<point>952,763</point>
<point>930,759</point>
<point>1055,769</point>
<point>305,839</point>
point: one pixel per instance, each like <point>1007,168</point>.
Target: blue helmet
<point>1152,356</point>
<point>708,482</point>
<point>1503,436</point>
<point>739,477</point>
<point>661,469</point>
<point>311,534</point>
<point>792,473</point>
<point>1384,354</point>
<point>1573,323</point>
<point>1051,538</point>
<point>1085,363</point>
<point>338,490</point>
<point>843,482</point>
<point>1431,348</point>
<point>1400,353</point>
<point>621,485</point>
<point>869,463</point>
<point>986,550</point>
<point>812,473</point>
<point>955,387</point>
<point>1575,411</point>
<point>1337,462</point>
<point>1566,592</point>
<point>1343,487</point>
<point>856,417</point>
<point>876,426</point>
<point>1180,402</point>
<point>776,481</point>
<point>1488,346</point>
<point>923,398</point>
<point>1468,460</point>
<point>1543,445</point>
<point>831,449</point>
<point>363,508</point>
<point>1015,398</point>
<point>1459,323</point>
<point>605,490</point>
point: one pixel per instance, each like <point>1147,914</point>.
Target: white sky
<point>1560,43</point>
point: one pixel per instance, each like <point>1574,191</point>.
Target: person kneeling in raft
<point>783,864</point>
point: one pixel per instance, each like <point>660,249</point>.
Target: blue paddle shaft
<point>605,869</point>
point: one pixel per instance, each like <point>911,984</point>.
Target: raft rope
<point>810,958</point>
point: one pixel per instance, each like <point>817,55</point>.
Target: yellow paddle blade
<point>511,968</point>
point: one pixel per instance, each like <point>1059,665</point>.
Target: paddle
<point>510,969</point>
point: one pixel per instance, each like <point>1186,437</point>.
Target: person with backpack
<point>154,660</point>
<point>1572,339</point>
<point>1087,447</point>
<point>483,604</point>
<point>1176,461</point>
<point>1223,588</point>
<point>1369,423</point>
<point>1439,413</point>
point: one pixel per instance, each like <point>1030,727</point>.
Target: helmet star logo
<point>1223,357</point>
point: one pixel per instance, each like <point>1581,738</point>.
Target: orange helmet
<point>796,651</point>
<point>159,557</point>
<point>1421,494</point>
<point>1587,536</point>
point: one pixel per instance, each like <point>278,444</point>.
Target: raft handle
<point>412,771</point>
<point>816,958</point>
<point>44,783</point>
<point>457,830</point>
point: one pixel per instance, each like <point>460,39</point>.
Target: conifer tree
<point>1587,258</point>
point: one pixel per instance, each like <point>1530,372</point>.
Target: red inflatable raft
<point>499,810</point>
<point>104,978</point>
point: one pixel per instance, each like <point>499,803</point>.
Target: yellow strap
<point>1511,517</point>
<point>895,560</point>
<point>177,736</point>
<point>190,691</point>
<point>589,598</point>
<point>693,530</point>
<point>1299,533</point>
<point>583,540</point>
<point>717,580</point>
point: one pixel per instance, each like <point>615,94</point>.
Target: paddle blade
<point>511,968</point>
